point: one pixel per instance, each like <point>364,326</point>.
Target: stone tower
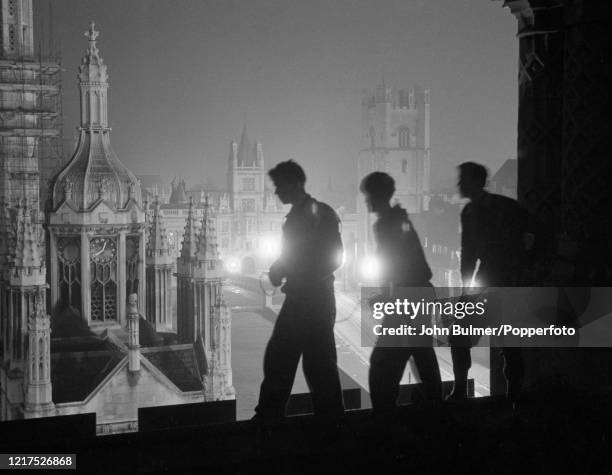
<point>203,316</point>
<point>246,185</point>
<point>395,140</point>
<point>97,221</point>
<point>25,374</point>
<point>159,273</point>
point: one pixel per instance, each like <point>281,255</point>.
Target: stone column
<point>142,273</point>
<point>85,278</point>
<point>121,279</point>
<point>133,334</point>
<point>53,270</point>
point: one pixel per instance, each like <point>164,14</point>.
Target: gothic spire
<point>158,239</point>
<point>207,242</point>
<point>245,149</point>
<point>93,81</point>
<point>188,249</point>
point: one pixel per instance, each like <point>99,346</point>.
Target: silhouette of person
<point>403,264</point>
<point>496,231</point>
<point>311,251</point>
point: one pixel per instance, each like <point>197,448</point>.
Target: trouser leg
<point>280,363</point>
<point>386,369</point>
<point>514,370</point>
<point>462,362</point>
<point>429,371</point>
<point>321,370</point>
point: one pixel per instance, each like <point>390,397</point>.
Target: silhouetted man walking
<point>494,231</point>
<point>312,250</point>
<point>403,264</point>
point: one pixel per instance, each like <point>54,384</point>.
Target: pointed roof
<point>207,241</point>
<point>247,154</point>
<point>158,239</point>
<point>94,172</point>
<point>189,247</point>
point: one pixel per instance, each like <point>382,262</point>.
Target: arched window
<point>404,138</point>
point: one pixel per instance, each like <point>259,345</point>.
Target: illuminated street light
<point>370,268</point>
<point>232,265</point>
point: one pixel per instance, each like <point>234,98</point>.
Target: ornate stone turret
<point>203,317</point>
<point>27,253</point>
<point>218,381</point>
<point>184,280</point>
<point>38,390</point>
<point>94,172</point>
<point>189,246</point>
<point>97,223</point>
<point>207,240</point>
<point>159,273</point>
<point>25,324</point>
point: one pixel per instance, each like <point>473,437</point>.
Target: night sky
<point>186,75</point>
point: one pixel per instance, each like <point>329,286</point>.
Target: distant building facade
<point>248,215</point>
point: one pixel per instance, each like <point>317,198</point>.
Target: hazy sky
<point>185,75</point>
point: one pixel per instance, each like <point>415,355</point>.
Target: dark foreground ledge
<point>567,432</point>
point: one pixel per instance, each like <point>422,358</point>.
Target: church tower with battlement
<point>395,140</point>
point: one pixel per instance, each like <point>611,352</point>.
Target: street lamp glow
<point>370,268</point>
<point>232,264</point>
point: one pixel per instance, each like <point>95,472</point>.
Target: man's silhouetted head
<point>288,178</point>
<point>378,188</point>
<point>472,179</point>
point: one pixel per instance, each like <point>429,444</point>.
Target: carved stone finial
<point>67,190</point>
<point>91,34</point>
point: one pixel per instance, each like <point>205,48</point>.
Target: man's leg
<point>462,362</point>
<point>429,371</point>
<point>320,362</point>
<point>280,363</point>
<point>514,371</point>
<point>386,369</point>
